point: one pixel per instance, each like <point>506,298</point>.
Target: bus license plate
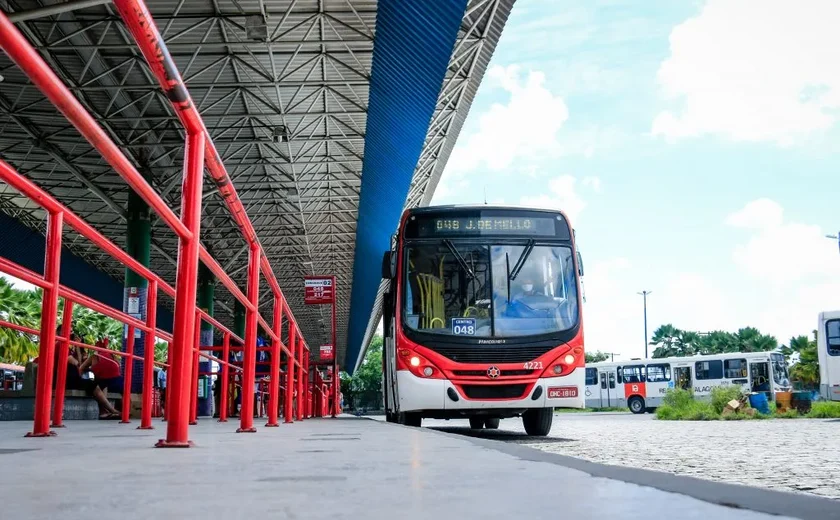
<point>557,392</point>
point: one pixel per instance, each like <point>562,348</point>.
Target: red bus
<point>482,317</point>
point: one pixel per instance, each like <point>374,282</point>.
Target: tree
<point>369,376</point>
<point>595,357</point>
<point>21,308</point>
<point>665,340</point>
<point>806,368</point>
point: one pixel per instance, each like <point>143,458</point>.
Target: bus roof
<point>684,359</point>
<point>455,207</point>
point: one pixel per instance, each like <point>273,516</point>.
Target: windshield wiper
<point>522,259</point>
<point>461,261</point>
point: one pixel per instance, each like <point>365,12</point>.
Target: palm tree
<point>806,369</point>
<point>665,340</point>
<point>20,308</point>
<point>687,342</point>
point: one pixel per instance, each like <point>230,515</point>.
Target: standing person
<point>161,382</point>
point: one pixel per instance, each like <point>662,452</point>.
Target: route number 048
<point>467,330</point>
<point>533,365</point>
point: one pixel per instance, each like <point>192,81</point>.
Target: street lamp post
<point>644,297</point>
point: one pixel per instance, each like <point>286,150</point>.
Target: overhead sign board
<point>327,353</point>
<point>319,290</point>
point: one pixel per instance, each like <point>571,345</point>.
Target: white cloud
<point>612,315</point>
<point>779,252</point>
<point>562,194</point>
<point>592,182</point>
<point>753,70</point>
<point>526,126</point>
<point>758,214</point>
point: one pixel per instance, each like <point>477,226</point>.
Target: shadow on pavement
<point>499,435</point>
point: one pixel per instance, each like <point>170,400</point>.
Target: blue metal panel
<point>414,42</point>
<point>25,247</point>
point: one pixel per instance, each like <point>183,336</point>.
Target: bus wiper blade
<point>457,255</point>
<point>520,264</point>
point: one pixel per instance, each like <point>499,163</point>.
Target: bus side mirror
<point>389,265</point>
<point>580,264</point>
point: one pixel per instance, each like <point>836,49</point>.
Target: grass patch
<point>824,410</point>
<point>679,405</point>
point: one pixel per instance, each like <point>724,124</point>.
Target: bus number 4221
<point>533,365</point>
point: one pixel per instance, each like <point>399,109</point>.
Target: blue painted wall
<point>26,247</point>
<point>414,41</point>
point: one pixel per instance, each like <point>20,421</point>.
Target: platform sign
<point>318,290</point>
<point>327,353</point>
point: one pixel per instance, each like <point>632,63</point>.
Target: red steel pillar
<point>223,399</point>
<point>186,284</point>
<point>61,375</point>
<point>336,381</point>
<point>149,357</point>
<point>274,374</point>
<point>250,358</point>
<point>128,364</point>
<point>301,397</point>
<point>49,309</point>
<point>290,373</point>
<point>194,376</point>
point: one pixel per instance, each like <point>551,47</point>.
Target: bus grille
<point>495,354</point>
<point>494,391</point>
<point>483,373</point>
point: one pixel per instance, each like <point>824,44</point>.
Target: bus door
<point>682,377</point>
<point>609,397</point>
<point>760,376</point>
<point>592,389</point>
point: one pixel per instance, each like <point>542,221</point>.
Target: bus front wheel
<point>476,423</point>
<point>537,421</point>
<point>636,405</point>
<point>491,423</point>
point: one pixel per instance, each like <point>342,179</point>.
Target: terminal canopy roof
<point>331,117</point>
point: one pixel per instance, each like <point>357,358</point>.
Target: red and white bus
<point>482,317</point>
<point>641,384</point>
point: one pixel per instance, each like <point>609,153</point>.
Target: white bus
<point>828,348</point>
<point>641,384</point>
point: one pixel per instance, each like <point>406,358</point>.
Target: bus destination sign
<point>319,290</point>
<point>502,225</point>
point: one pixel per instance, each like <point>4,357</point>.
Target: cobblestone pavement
<point>799,455</point>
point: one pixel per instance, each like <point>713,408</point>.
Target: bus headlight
<point>415,361</point>
<point>428,371</point>
<point>558,369</point>
<point>569,359</point>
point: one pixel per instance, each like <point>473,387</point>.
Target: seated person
<point>75,381</point>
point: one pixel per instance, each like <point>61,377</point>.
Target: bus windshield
<point>479,290</point>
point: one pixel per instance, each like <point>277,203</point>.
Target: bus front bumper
<point>419,394</point>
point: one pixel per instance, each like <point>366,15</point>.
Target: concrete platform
<point>346,468</point>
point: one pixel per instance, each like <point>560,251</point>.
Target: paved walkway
<point>345,468</point>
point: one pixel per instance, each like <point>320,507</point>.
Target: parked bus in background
<point>482,317</point>
<point>641,384</point>
<point>11,376</point>
<point>828,354</point>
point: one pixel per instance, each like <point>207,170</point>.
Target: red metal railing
<point>200,152</point>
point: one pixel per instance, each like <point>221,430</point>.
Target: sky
<point>691,145</point>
